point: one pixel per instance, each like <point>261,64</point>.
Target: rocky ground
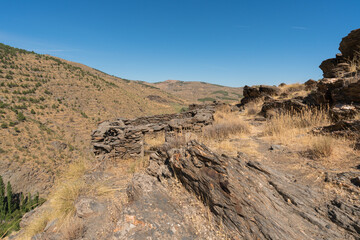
<point>191,191</point>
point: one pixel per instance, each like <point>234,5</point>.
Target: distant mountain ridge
<point>197,92</point>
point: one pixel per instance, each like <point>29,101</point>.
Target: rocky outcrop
<point>256,93</point>
<point>250,200</point>
<point>271,108</point>
<point>310,85</point>
<point>340,66</point>
<point>343,128</point>
<point>335,67</point>
<point>349,45</point>
<point>125,137</point>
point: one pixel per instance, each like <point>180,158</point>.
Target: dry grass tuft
<point>225,125</point>
<point>224,130</point>
<point>154,139</point>
<point>295,87</point>
<point>321,146</point>
<point>73,229</point>
<point>291,124</point>
<point>36,226</point>
<point>294,90</point>
<point>253,108</point>
<point>63,200</point>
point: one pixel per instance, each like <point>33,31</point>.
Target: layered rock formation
<point>338,91</point>
<point>257,93</point>
<point>125,137</point>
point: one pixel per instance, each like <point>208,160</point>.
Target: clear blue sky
<point>229,42</point>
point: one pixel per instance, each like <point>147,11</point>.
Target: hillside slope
<point>195,92</point>
<point>48,107</point>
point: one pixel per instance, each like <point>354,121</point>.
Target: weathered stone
<point>126,136</point>
<point>278,106</point>
<point>250,200</point>
<point>86,207</point>
<point>269,90</point>
<point>255,93</point>
<point>350,45</point>
<point>310,84</point>
<point>342,112</point>
<point>59,145</point>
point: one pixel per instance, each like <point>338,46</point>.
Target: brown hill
<point>48,107</point>
<point>195,92</point>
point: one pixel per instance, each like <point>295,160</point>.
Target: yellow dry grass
<point>73,229</point>
<point>35,226</point>
<point>294,90</point>
<point>294,130</point>
<point>154,139</point>
<point>290,88</point>
<point>229,134</point>
<point>253,108</point>
<point>289,125</point>
<point>225,124</point>
<point>62,199</point>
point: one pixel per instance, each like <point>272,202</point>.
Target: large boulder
<point>350,45</point>
<point>278,106</point>
<point>310,84</point>
<point>341,65</point>
<point>256,93</point>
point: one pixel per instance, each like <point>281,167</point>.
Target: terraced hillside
<point>197,92</point>
<point>48,107</point>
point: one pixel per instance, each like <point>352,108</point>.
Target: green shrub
<point>13,206</point>
<point>4,125</point>
<point>84,115</point>
<point>21,117</point>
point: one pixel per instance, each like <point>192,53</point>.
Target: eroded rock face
<point>249,199</point>
<point>349,45</point>
<point>350,49</point>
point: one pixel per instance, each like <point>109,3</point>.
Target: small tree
<point>2,198</point>
<point>9,197</point>
<point>21,117</point>
<point>22,202</point>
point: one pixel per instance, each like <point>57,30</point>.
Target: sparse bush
<point>84,115</point>
<point>224,130</point>
<point>207,99</point>
<point>21,117</point>
<point>291,123</point>
<point>322,146</point>
<point>73,229</point>
<point>4,125</point>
